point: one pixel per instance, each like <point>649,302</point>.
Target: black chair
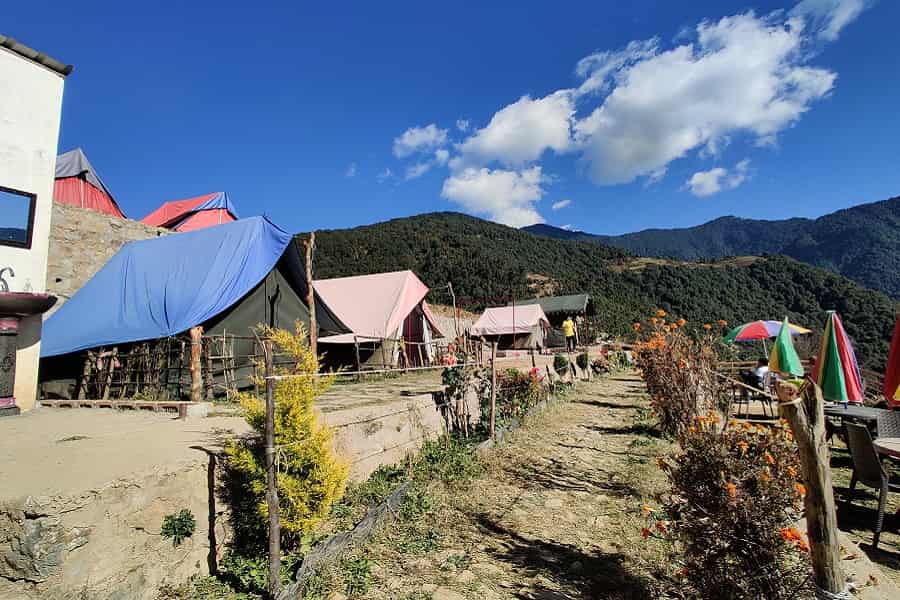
<point>868,470</point>
<point>888,424</point>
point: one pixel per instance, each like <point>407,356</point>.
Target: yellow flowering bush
<point>734,502</point>
<point>310,476</point>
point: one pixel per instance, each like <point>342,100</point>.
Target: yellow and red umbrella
<point>892,374</point>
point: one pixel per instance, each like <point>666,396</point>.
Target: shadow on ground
<point>552,474</point>
<point>636,429</point>
<point>576,573</point>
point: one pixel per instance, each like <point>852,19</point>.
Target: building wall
<point>30,104</point>
<point>82,241</point>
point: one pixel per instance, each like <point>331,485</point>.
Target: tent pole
<point>311,295</point>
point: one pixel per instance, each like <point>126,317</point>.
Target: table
<point>860,413</point>
<point>889,446</point>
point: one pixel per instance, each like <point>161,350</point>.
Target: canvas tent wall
<point>76,183</point>
<point>557,308</point>
<point>228,279</point>
<point>193,213</point>
<point>513,327</point>
<point>377,307</point>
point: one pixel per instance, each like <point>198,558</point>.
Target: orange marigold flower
<point>731,489</point>
<point>707,326</point>
<point>681,322</point>
<point>646,510</point>
<point>802,546</point>
<point>765,477</point>
<point>769,458</point>
<point>742,445</point>
<point>660,313</point>
<point>636,326</point>
<point>645,532</point>
<point>790,534</point>
<point>792,471</point>
<point>800,489</point>
<point>662,526</point>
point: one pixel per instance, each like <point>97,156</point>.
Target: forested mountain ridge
<point>861,242</point>
<point>489,264</point>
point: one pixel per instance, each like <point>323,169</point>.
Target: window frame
<point>32,206</point>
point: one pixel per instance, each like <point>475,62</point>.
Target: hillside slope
<point>488,264</point>
<point>861,242</point>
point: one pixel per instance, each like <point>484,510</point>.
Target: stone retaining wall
<point>82,241</point>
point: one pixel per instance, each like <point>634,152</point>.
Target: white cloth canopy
<point>506,320</point>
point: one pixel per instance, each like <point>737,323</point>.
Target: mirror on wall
<point>16,217</point>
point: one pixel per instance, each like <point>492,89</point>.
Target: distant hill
<point>488,264</point>
<point>862,242</point>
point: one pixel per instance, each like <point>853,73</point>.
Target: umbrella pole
<point>765,349</point>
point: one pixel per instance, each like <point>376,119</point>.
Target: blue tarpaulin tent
<point>164,286</point>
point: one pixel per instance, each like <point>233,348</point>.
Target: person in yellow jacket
<point>570,331</point>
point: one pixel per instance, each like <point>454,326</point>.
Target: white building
<point>31,90</point>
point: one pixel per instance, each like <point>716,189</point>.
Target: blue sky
<point>645,115</point>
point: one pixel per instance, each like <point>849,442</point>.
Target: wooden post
<point>803,409</point>
<point>110,365</point>
<point>196,365</point>
<point>358,364</point>
<point>271,483</point>
<point>85,375</point>
<point>210,382</point>
<point>533,363</point>
<point>311,295</point>
<point>455,312</point>
<point>493,389</point>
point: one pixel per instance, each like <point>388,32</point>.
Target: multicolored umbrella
<point>760,330</point>
<point>784,357</point>
<point>892,374</point>
<point>836,370</point>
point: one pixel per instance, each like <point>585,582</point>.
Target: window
<point>16,217</point>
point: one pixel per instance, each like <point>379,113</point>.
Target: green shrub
<point>449,459</point>
<point>357,572</point>
<point>734,502</point>
<point>600,365</point>
<point>310,477</point>
<point>517,393</point>
<point>250,574</point>
<point>560,364</point>
<point>178,527</point>
<point>583,361</point>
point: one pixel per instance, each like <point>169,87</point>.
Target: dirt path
<point>555,515</point>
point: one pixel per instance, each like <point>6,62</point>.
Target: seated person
<point>757,376</point>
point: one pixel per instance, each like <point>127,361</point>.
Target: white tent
<point>522,326</point>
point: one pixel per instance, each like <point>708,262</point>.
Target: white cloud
<point>707,183</point>
<point>441,156</point>
<point>505,196</point>
<point>419,139</point>
<point>384,175</point>
<point>351,170</point>
<point>828,17</point>
<point>417,170</point>
<point>744,74</point>
<point>560,204</point>
<point>567,227</point>
<point>596,68</point>
<point>522,131</point>
<point>463,124</point>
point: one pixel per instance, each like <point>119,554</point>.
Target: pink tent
<point>379,306</point>
<point>523,326</point>
<point>77,184</point>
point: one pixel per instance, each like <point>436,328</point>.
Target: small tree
<point>310,477</point>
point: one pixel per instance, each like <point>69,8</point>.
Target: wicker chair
<point>868,470</point>
<point>888,424</point>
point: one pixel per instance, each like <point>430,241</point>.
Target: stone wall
<point>82,241</point>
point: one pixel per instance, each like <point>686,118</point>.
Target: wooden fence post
<point>804,410</point>
<point>493,389</point>
<point>196,366</point>
<point>358,363</point>
<point>311,295</point>
<point>271,483</point>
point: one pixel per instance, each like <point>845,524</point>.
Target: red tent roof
<point>193,213</point>
<point>77,184</point>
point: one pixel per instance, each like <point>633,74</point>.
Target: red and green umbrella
<point>760,330</point>
<point>836,370</point>
<point>892,374</point>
